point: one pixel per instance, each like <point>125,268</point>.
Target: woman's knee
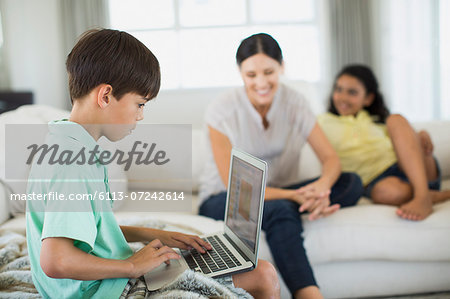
<point>276,209</point>
<point>214,207</point>
<point>355,185</point>
<point>348,189</point>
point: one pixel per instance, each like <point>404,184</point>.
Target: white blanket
<point>15,275</point>
<point>16,281</point>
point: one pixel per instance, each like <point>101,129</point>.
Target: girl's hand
<point>183,241</point>
<point>150,257</point>
<point>425,142</point>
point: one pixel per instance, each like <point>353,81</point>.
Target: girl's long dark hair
<point>365,75</point>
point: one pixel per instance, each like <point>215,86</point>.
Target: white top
<point>290,123</point>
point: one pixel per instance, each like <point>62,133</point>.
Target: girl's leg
<point>430,167</point>
<point>391,191</point>
<point>426,144</point>
<point>411,160</point>
<point>439,196</point>
<point>394,191</point>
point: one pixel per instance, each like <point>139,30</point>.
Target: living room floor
<point>439,295</point>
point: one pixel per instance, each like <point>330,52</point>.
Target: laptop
<point>235,249</point>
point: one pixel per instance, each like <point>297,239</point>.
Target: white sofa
<point>357,252</point>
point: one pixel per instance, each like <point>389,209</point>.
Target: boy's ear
<point>104,95</point>
<point>369,100</point>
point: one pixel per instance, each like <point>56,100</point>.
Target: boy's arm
<point>61,259</point>
<point>171,239</point>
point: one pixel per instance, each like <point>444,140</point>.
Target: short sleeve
<point>214,117</point>
<point>305,119</point>
<point>220,113</point>
<point>73,218</point>
<point>79,226</point>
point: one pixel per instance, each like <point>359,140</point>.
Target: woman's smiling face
<point>261,76</point>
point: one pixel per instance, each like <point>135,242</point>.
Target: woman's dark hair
<point>105,56</point>
<point>259,43</point>
<point>365,75</point>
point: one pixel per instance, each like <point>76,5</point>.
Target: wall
<point>188,106</point>
<point>35,54</point>
<point>34,49</point>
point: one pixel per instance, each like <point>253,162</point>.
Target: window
<point>1,32</point>
<point>4,76</point>
<point>444,38</point>
<point>415,58</point>
<point>196,40</point>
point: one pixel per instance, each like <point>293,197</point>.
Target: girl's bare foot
<point>416,209</point>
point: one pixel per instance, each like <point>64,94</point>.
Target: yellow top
<point>362,145</point>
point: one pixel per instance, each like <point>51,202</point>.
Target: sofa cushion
<point>375,232</point>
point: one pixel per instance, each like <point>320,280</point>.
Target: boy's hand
<point>183,241</point>
<point>150,257</point>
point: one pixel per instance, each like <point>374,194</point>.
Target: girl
<point>273,122</point>
<point>394,162</point>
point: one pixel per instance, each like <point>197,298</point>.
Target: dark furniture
<point>10,100</point>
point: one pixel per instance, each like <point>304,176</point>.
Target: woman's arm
<point>331,167</point>
<point>314,197</point>
<point>61,259</point>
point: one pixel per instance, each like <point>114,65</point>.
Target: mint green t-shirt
<point>90,223</point>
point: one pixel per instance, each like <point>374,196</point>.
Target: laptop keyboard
<point>217,259</point>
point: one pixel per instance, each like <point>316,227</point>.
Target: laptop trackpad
<point>163,274</point>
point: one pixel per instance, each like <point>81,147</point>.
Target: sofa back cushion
<point>310,165</point>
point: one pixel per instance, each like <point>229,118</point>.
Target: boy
<point>84,253</point>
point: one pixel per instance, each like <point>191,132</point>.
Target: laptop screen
<point>244,201</point>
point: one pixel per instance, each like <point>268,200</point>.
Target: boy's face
<point>124,114</point>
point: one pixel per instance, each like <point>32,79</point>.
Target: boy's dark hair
<point>259,43</point>
<point>105,56</point>
<point>365,75</point>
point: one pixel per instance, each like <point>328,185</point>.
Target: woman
<point>273,122</point>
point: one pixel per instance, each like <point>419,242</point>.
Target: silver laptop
<point>235,249</point>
